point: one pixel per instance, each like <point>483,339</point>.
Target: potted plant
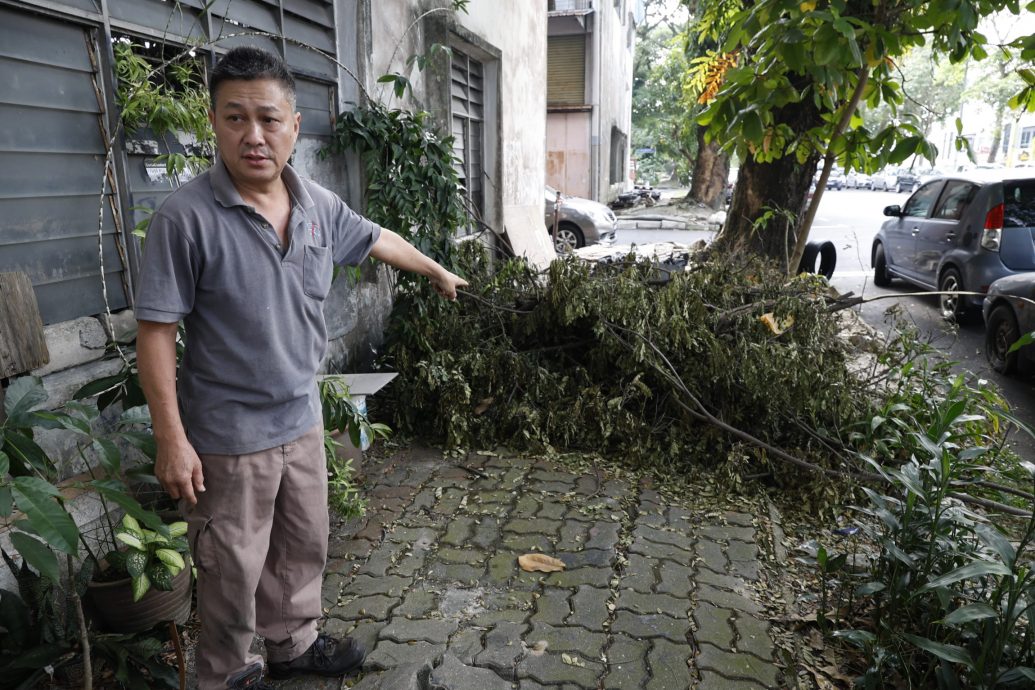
<point>143,582</point>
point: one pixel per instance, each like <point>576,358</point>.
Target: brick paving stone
<point>365,632</point>
<point>553,487</point>
<point>487,619</point>
<point>514,477</point>
<point>486,533</point>
<point>753,636</point>
<point>528,684</point>
<point>639,573</point>
<point>455,572</point>
<point>713,681</point>
<point>587,485</point>
<point>589,608</point>
<point>603,535</point>
<point>528,581</point>
<point>508,599</point>
<point>552,606</point>
<point>652,496</point>
<point>638,602</point>
<point>573,536</point>
<point>433,630</point>
<point>466,644</point>
<point>385,491</point>
<point>364,585</point>
<point>595,577</point>
<point>596,558</point>
<point>459,532</point>
<point>419,537</point>
<point>664,536</point>
<point>712,555</point>
<point>550,669</point>
<point>589,645</point>
<point>668,666</point>
<point>349,548</point>
<point>419,519</point>
<point>617,489</point>
<point>626,663</point>
<point>460,603</point>
<point>468,556</point>
<point>724,581</point>
<point>373,607</point>
<point>742,551</point>
<point>724,599</point>
<point>409,565</point>
<point>406,677</point>
<point>526,507</point>
<point>651,625</point>
<point>713,626</point>
<point>739,519</point>
<point>527,542</point>
<point>502,647</point>
<point>552,510</point>
<point>496,497</point>
<point>749,570</point>
<point>382,559</point>
<point>387,654</point>
<point>551,476</point>
<point>502,567</point>
<point>655,550</point>
<point>341,566</point>
<point>417,603</point>
<point>533,526</point>
<point>736,666</point>
<point>674,579</point>
<point>453,674</point>
<point>424,499</point>
<point>449,502</point>
<point>725,532</point>
<point>373,529</point>
<point>332,585</point>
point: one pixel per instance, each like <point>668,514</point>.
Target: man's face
<point>256,127</point>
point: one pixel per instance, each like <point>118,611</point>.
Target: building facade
<point>589,95</point>
<point>75,183</point>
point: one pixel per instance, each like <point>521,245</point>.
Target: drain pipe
<point>595,120</point>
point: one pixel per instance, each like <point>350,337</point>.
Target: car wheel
<point>951,306</point>
<point>1001,332</point>
<point>881,277</point>
<point>569,237</point>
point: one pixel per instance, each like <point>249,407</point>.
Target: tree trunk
<point>711,171</point>
<point>997,136</point>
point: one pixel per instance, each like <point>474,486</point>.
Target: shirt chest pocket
<point>316,272</point>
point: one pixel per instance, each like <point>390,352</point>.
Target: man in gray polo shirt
<point>243,255</point>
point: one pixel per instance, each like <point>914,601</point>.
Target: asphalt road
<point>850,219</point>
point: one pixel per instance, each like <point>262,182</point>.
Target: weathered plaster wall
<point>615,95</point>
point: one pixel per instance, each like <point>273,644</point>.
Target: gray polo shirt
<point>253,315</point>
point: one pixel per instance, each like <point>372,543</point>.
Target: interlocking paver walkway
<point>654,595</point>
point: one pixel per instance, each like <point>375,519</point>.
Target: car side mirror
<point>893,210</point>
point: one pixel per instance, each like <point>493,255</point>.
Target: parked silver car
<point>1009,311</point>
<point>579,221</point>
<point>959,233</point>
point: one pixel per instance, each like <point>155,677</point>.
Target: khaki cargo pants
<point>258,535</point>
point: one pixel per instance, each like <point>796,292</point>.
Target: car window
<point>920,203</point>
<point>1019,204</point>
<point>955,200</point>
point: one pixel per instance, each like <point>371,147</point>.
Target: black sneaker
<point>325,657</point>
<point>249,679</point>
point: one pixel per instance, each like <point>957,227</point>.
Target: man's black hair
<point>247,63</point>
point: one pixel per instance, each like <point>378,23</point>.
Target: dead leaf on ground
<point>484,405</point>
<point>531,562</point>
<point>777,326</point>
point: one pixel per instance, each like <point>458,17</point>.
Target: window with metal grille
<point>468,106</point>
<point>619,152</point>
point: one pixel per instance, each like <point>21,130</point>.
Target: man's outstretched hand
<point>446,284</point>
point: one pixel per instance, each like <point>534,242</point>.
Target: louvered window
<point>468,99</point>
<point>566,70</point>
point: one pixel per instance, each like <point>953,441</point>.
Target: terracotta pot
<point>113,609</point>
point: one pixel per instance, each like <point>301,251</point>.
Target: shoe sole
<point>291,673</point>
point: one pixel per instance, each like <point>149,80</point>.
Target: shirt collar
<point>226,193</point>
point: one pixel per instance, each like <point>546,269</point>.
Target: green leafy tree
<point>784,87</point>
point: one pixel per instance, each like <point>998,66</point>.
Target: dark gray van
<point>960,233</point>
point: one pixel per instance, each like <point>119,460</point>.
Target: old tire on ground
<point>826,252</point>
<point>951,306</point>
<point>1001,332</point>
<point>569,237</point>
<point>881,277</point>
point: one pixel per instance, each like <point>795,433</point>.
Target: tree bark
<point>997,135</point>
<point>711,170</point>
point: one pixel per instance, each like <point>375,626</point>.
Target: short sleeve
<point>168,273</point>
<point>353,235</point>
